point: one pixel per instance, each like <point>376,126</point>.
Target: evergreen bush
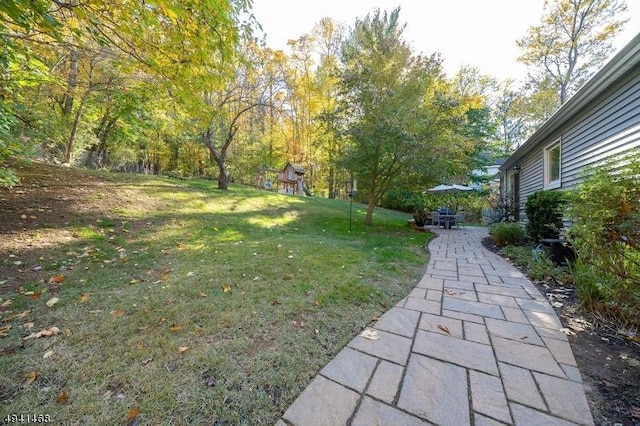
<point>544,211</point>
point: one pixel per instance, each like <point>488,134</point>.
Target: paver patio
<point>474,343</point>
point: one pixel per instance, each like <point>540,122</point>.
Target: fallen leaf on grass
<point>34,295</point>
<point>444,328</point>
<point>117,314</point>
<point>4,331</point>
<point>51,331</point>
<point>31,377</point>
<point>84,297</point>
<point>17,316</point>
<point>276,302</point>
<point>202,294</point>
<point>5,303</point>
<point>58,278</point>
<point>63,397</point>
<point>146,361</point>
<point>164,274</point>
<point>370,334</point>
<point>183,349</point>
<point>47,354</point>
<point>175,327</point>
<point>28,325</point>
<point>132,417</point>
<point>51,302</point>
<point>226,288</point>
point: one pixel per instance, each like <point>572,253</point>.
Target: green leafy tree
<point>571,43</point>
<point>510,119</point>
<point>229,104</point>
<point>73,52</point>
<point>328,35</point>
<point>474,92</point>
<point>393,111</point>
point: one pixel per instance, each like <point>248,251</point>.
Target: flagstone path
<point>475,343</point>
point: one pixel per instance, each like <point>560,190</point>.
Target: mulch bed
<point>608,360</point>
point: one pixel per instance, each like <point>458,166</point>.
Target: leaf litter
<point>370,334</point>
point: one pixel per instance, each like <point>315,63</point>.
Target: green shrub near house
<point>605,211</point>
<point>507,234</point>
<point>544,211</point>
<point>538,266</point>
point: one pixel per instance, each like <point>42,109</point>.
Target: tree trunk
<point>72,134</point>
<point>67,103</point>
<point>97,155</point>
<point>223,177</point>
<point>373,189</point>
<point>331,181</point>
<point>218,158</point>
<point>368,220</point>
<point>88,162</point>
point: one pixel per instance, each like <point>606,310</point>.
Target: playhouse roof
<point>296,167</point>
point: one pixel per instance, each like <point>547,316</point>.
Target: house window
<point>552,166</point>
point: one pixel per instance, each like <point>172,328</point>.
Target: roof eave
<point>625,60</point>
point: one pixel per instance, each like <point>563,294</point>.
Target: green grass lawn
<point>207,307</point>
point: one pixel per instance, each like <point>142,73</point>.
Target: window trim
<point>548,183</point>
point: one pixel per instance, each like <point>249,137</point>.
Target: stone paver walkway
<point>474,343</point>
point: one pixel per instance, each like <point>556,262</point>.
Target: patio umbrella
<point>449,189</point>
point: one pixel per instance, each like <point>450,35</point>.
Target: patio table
<point>446,220</point>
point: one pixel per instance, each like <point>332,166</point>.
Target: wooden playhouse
<point>291,179</point>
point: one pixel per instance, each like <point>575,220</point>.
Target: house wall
<point>608,126</point>
<point>610,129</point>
